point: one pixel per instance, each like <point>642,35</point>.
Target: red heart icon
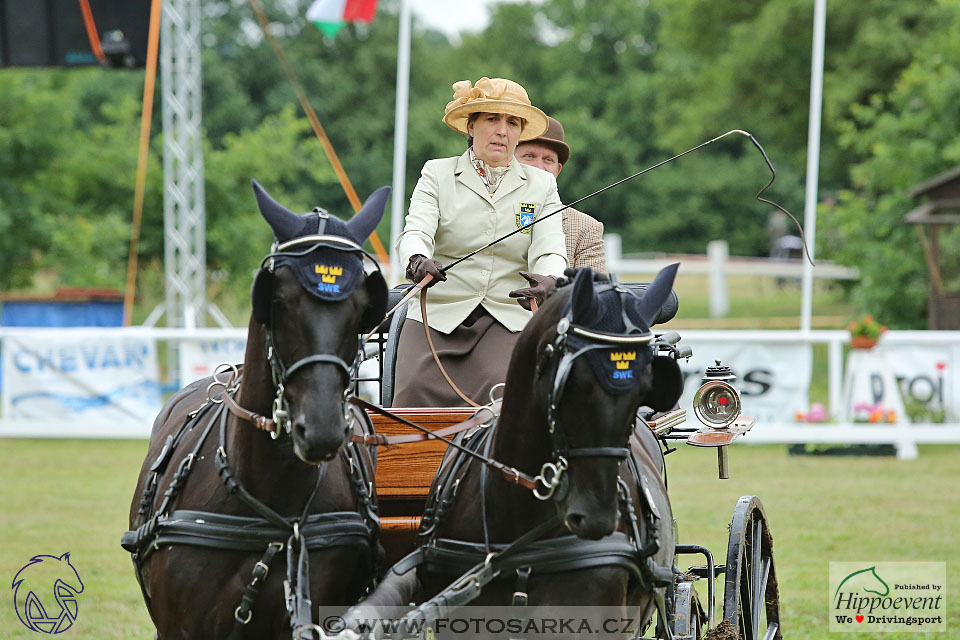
<point>941,366</point>
<point>859,618</point>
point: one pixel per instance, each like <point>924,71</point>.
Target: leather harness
<point>270,531</point>
<point>479,564</point>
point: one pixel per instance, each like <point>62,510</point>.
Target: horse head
<point>311,299</point>
<point>595,366</point>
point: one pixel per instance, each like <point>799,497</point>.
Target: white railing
<point>719,266</point>
<point>902,434</point>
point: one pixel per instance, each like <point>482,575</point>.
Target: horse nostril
<point>299,429</point>
<point>575,521</point>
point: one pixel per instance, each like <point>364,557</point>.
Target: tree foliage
<point>633,82</point>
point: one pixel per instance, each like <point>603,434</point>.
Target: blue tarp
<point>35,313</point>
<point>56,313</point>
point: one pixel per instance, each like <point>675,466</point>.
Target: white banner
<point>927,374</point>
<point>773,379</point>
<point>198,359</point>
<point>80,377</point>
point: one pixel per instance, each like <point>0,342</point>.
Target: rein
<point>510,474</point>
<point>436,356</point>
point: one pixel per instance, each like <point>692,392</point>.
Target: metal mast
<point>183,189</point>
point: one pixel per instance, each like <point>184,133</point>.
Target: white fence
<point>719,266</point>
<point>746,351</point>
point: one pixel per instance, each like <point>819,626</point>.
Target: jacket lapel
<point>513,180</point>
<point>467,176</point>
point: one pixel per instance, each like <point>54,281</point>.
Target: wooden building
<point>937,221</point>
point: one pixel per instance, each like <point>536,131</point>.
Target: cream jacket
<point>451,214</point>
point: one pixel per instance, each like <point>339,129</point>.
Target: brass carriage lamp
<point>717,402</point>
<point>717,405</point>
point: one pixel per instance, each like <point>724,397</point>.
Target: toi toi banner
<point>927,374</point>
<point>80,377</point>
<point>773,379</point>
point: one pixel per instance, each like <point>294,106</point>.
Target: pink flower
<point>818,413</point>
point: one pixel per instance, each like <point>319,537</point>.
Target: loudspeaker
<point>52,32</point>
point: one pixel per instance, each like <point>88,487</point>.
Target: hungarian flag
<point>329,15</point>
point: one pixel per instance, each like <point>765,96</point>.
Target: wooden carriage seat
<point>405,472</point>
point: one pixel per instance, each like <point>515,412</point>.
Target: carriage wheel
<point>751,600</point>
<point>688,614</point>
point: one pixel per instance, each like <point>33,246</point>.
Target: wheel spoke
<point>755,568</point>
<point>771,631</point>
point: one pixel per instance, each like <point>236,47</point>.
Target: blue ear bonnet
<point>616,366</point>
<point>327,273</point>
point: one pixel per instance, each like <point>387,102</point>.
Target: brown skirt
<point>475,357</point>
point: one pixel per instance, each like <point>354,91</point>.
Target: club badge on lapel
<point>526,213</point>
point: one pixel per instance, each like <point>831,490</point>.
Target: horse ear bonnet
<point>327,273</point>
<point>617,367</point>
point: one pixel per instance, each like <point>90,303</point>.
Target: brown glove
<point>539,287</point>
<point>419,266</point>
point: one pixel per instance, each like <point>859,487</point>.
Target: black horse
<point>251,465</point>
<point>580,371</point>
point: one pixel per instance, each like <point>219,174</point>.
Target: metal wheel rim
<point>751,595</point>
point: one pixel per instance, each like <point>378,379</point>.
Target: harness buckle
<point>264,571</point>
<point>520,598</point>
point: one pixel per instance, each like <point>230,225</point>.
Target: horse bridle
<point>552,474</point>
<point>282,374</point>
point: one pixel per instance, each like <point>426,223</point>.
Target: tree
<point>904,137</point>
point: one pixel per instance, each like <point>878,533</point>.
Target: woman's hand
<point>420,265</point>
<point>539,287</point>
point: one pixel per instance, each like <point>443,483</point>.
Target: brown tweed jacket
<point>584,241</point>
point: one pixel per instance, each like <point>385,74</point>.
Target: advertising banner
<point>927,376</point>
<point>80,378</point>
<point>199,358</point>
<point>773,379</point>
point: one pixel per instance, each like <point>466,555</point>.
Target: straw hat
<point>498,95</point>
<point>553,138</point>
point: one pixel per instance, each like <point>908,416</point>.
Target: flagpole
<point>400,139</point>
<point>813,160</point>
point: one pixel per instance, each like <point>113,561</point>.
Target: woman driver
<point>459,205</point>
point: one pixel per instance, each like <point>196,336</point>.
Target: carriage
<point>750,608</point>
<point>226,510</point>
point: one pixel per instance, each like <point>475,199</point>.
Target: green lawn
<point>73,495</point>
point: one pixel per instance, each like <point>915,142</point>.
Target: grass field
<point>63,495</point>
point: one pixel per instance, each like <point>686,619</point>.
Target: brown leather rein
<point>433,350</point>
<point>509,474</point>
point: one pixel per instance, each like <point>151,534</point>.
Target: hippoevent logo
<point>45,594</point>
<point>888,596</point>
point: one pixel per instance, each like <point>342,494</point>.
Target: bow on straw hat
<point>498,95</point>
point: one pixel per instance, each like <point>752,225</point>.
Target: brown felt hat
<point>553,138</point>
<point>497,95</point>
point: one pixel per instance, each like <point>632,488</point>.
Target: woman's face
<point>495,137</point>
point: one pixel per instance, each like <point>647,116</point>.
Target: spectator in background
<point>584,233</point>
